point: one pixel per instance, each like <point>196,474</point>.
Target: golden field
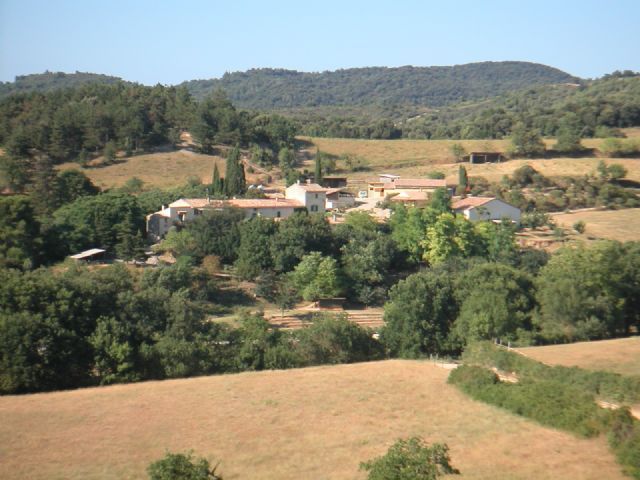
<point>621,225</point>
<point>621,355</point>
<point>318,422</point>
<point>162,170</point>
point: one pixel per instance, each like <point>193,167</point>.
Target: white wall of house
<point>269,212</point>
<point>314,201</point>
<point>494,210</point>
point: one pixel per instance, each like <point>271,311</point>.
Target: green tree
<point>182,466</point>
<point>217,233</point>
<point>568,138</point>
<point>73,184</point>
<point>334,339</point>
<point>216,182</point>
<point>580,292</point>
<point>318,169</point>
<point>526,142</point>
<point>419,315</point>
<point>234,182</point>
<point>457,151</point>
<point>286,159</point>
<point>15,171</point>
<point>440,201</point>
<point>463,180</point>
<point>496,301</point>
<point>411,459</point>
<point>20,239</point>
<point>317,277</point>
<point>254,252</point>
<point>109,153</point>
<point>297,235</point>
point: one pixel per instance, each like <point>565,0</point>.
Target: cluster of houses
<point>331,196</point>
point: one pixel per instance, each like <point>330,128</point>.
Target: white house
<point>300,195</point>
<point>265,207</point>
<point>178,212</point>
<point>486,208</point>
<point>309,195</point>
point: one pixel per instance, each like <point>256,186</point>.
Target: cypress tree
<point>235,182</point>
<point>318,172</point>
<point>463,180</point>
<point>216,184</point>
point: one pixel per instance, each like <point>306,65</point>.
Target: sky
<point>161,41</point>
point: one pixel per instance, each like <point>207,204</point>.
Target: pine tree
<point>318,172</point>
<point>216,182</point>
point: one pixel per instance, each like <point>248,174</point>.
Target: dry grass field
<point>299,424</point>
<point>163,170</point>
<point>620,355</point>
<point>622,225</point>
<point>403,157</point>
<point>418,157</point>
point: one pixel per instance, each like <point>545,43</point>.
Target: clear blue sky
<point>160,41</point>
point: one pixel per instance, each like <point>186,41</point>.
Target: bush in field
<point>411,459</point>
<point>182,466</point>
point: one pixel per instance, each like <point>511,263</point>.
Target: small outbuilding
<point>92,255</point>
<point>484,157</point>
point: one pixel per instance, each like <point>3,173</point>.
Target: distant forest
<point>70,116</point>
<point>428,86</point>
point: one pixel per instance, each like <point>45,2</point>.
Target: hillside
<point>428,86</point>
<point>307,423</point>
<point>48,81</point>
<point>620,355</point>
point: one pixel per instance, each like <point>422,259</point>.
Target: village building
<point>411,198</point>
<point>339,198</point>
<point>476,209</point>
<point>309,195</point>
<point>334,182</point>
<point>298,196</point>
<point>381,189</point>
<point>265,207</point>
<point>484,157</point>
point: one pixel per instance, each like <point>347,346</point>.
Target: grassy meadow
<point>318,422</point>
<point>621,225</point>
<point>409,158</point>
<point>418,157</point>
<point>619,355</point>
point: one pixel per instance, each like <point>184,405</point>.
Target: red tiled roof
<point>418,183</point>
<point>470,202</point>
<point>263,203</point>
<point>310,187</point>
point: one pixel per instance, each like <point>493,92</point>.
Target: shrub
<point>580,226</point>
<point>411,459</point>
<point>182,466</point>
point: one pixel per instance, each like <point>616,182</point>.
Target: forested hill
<point>48,81</point>
<point>428,86</point>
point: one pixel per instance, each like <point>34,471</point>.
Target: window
<point>278,214</point>
<point>316,195</point>
<point>314,208</point>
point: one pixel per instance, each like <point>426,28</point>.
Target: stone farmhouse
<point>297,196</point>
<point>477,209</point>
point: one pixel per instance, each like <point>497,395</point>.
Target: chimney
<point>298,181</point>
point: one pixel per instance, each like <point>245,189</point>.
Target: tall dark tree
<point>463,180</point>
<point>234,181</point>
<point>216,184</point>
<point>318,170</point>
